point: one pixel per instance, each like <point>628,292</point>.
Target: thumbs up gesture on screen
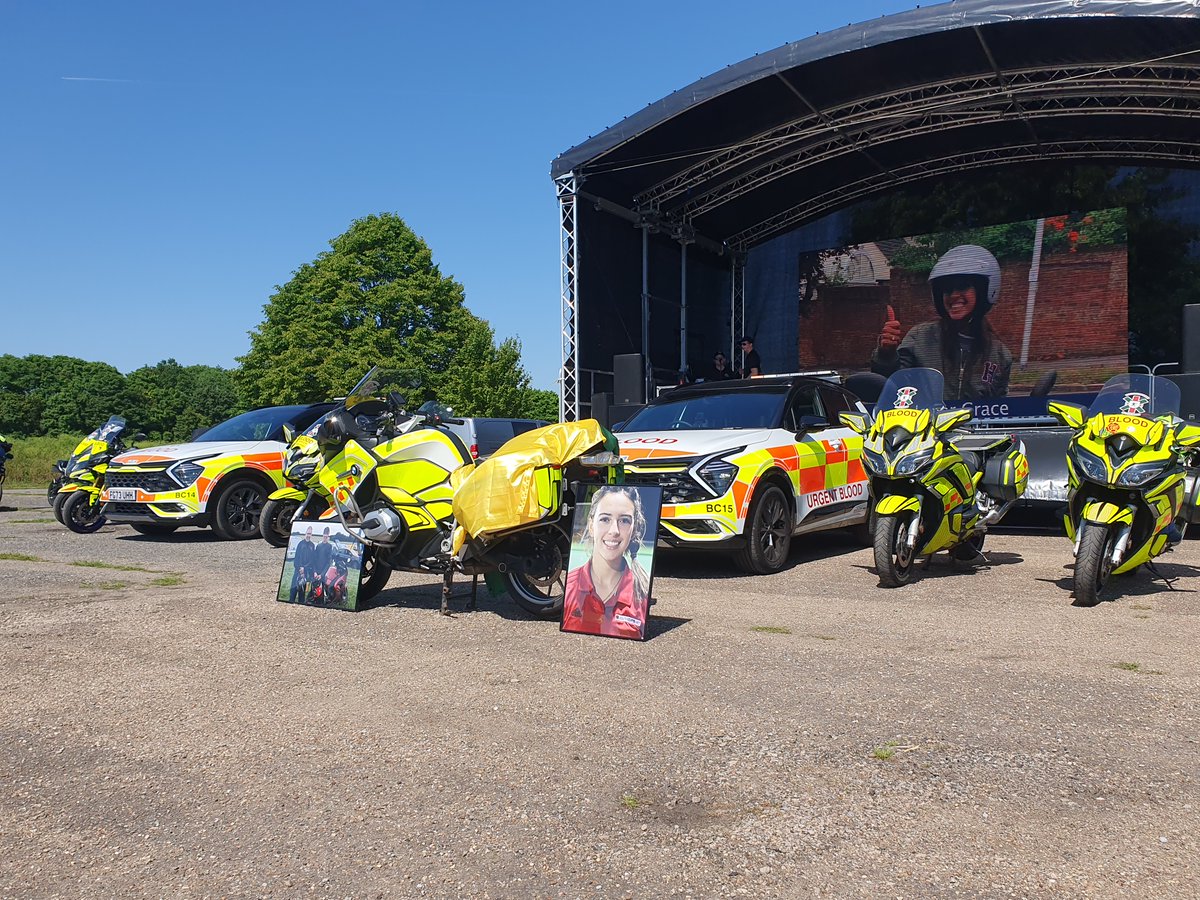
<point>889,336</point>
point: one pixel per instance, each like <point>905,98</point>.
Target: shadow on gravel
<point>942,566</point>
<point>9,508</point>
<point>429,596</point>
<point>191,536</point>
<point>1178,578</point>
<point>708,564</point>
<point>662,624</point>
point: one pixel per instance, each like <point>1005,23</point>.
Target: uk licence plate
<point>122,495</point>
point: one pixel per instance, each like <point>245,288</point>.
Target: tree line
<point>375,297</point>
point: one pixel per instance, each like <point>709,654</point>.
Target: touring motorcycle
<point>303,496</point>
<point>932,489</point>
<point>1128,485</point>
<point>408,490</point>
<point>5,455</point>
<point>77,503</point>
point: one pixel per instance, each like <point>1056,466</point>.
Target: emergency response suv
<point>221,478</point>
<point>745,465</point>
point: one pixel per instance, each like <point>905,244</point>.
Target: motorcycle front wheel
<point>374,577</point>
<point>893,559</point>
<point>59,501</point>
<point>1093,565</point>
<point>81,515</point>
<point>539,588</point>
<point>275,521</point>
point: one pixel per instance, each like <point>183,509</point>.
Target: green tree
<point>540,404</point>
<point>169,401</point>
<point>376,296</point>
<point>57,394</point>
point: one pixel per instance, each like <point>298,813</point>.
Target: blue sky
<point>166,165</point>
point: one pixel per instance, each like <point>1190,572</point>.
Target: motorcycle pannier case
<point>1190,511</point>
<point>1005,475</point>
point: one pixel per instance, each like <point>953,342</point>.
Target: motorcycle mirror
<point>197,433</point>
<point>951,418</point>
<point>140,436</point>
<point>1070,414</point>
<point>856,422</point>
<point>396,399</point>
<point>289,433</point>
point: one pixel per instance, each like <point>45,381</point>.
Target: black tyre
<point>58,505</point>
<point>1093,565</point>
<point>154,530</point>
<point>52,492</point>
<point>275,521</point>
<point>539,588</point>
<point>893,559</point>
<point>238,506</point>
<point>865,533</point>
<point>81,515</point>
<point>374,577</point>
<point>768,533</point>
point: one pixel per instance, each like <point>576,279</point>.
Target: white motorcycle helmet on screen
<point>971,262</point>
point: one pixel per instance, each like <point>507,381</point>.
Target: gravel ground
<point>805,734</point>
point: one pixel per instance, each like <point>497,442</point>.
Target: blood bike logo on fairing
<point>1135,404</point>
<point>905,397</point>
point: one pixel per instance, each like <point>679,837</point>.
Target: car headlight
<point>1090,465</point>
<point>1136,476</point>
<point>186,473</point>
<point>917,462</point>
<point>718,474</point>
<point>874,462</point>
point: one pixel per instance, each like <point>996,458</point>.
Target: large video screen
<point>998,309</point>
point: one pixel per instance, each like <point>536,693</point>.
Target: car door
<point>831,478</point>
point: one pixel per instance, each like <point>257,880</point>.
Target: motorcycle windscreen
<point>1136,394</point>
<point>518,485</point>
<point>911,389</point>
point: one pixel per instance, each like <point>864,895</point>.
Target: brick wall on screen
<point>1080,311</point>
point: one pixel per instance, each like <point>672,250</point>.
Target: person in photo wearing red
<point>609,594</point>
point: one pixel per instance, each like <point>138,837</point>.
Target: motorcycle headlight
<point>1136,476</point>
<point>186,473</point>
<point>917,462</point>
<point>301,472</point>
<point>718,474</point>
<point>874,462</point>
<point>1090,465</point>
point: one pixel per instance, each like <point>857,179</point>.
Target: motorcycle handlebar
<point>450,421</point>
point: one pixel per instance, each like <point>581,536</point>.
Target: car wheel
<point>238,506</point>
<point>768,533</point>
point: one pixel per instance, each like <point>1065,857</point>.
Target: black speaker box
<point>1191,338</point>
<point>600,406</point>
<point>629,379</point>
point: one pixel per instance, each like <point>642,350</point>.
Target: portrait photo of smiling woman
<point>608,585</point>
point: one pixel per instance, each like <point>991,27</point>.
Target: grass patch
<point>171,580</point>
<point>32,521</point>
<point>107,585</point>
<point>1140,606</point>
<point>824,637</point>
<point>97,564</point>
<point>884,752</point>
<point>630,801</point>
<point>771,629</point>
<point>21,557</point>
<point>33,459</point>
<point>1136,667</point>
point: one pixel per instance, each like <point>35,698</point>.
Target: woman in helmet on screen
<point>960,343</point>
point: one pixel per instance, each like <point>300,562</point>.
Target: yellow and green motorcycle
<point>303,496</point>
<point>408,490</point>
<point>933,489</point>
<point>77,502</point>
<point>1128,486</point>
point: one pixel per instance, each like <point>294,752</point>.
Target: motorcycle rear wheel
<point>893,559</point>
<point>374,577</point>
<point>1093,565</point>
<point>540,590</point>
<point>59,501</point>
<point>81,515</point>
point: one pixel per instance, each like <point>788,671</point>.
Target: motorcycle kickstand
<point>447,584</point>
<point>474,590</point>
<point>1169,582</point>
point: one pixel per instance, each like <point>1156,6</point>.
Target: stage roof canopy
<point>785,137</point>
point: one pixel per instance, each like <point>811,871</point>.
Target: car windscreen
<point>258,425</point>
<point>741,409</point>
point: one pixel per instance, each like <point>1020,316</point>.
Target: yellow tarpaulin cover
<point>519,484</point>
